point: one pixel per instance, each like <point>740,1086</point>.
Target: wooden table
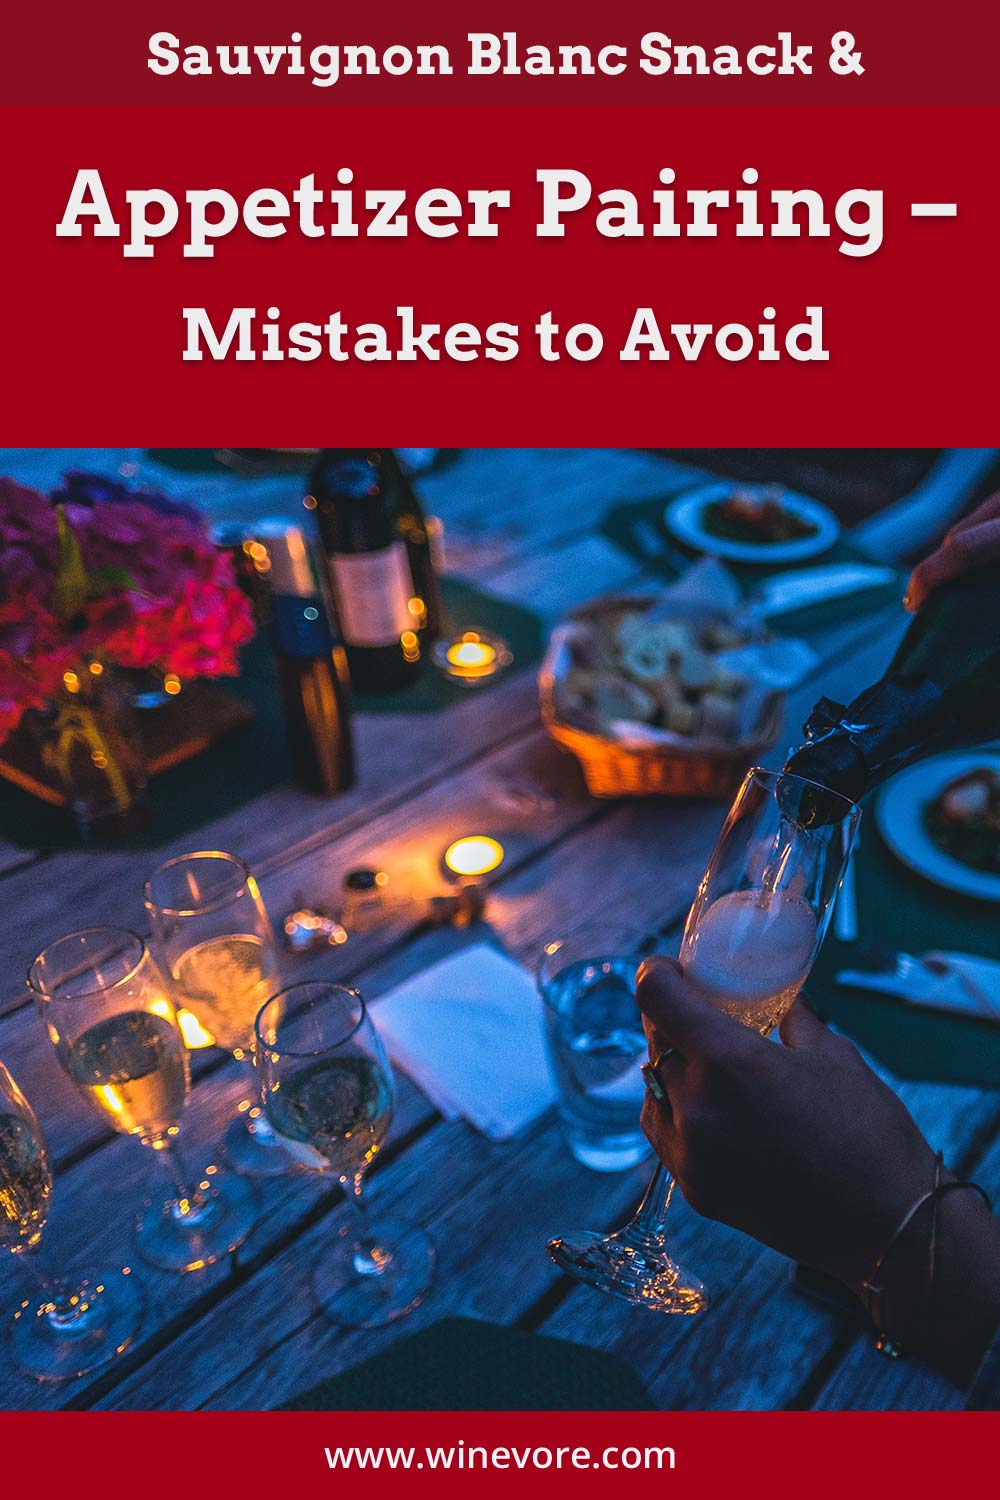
<point>247,1334</point>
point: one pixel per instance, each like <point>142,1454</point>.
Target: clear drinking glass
<point>109,1016</point>
<point>75,1324</point>
<point>213,932</point>
<point>750,940</point>
<point>328,1091</point>
<point>596,1042</point>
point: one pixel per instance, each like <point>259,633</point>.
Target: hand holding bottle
<point>971,542</point>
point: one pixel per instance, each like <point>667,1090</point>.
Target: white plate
<point>683,517</point>
<point>899,815</point>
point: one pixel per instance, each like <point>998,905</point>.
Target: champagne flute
<point>213,931</point>
<point>750,940</point>
<point>328,1091</point>
<point>71,1326</point>
<point>109,1016</point>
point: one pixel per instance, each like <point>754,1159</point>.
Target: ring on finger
<point>651,1075</point>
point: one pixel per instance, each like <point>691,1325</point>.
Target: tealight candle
<point>476,854</point>
<point>472,656</point>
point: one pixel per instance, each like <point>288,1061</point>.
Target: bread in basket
<point>685,724</point>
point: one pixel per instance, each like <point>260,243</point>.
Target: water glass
<point>596,1042</point>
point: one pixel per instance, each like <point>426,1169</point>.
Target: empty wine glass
<point>72,1325</point>
<point>109,1016</point>
<point>750,940</point>
<point>328,1091</point>
<point>213,932</point>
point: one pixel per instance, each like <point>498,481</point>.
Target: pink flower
<point>156,592</point>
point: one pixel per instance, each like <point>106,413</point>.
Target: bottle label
<point>373,591</point>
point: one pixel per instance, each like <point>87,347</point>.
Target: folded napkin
<point>469,1030</point>
<point>947,981</point>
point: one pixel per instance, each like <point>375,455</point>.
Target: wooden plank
<point>759,1342</point>
<point>519,920</point>
<point>543,493</point>
<point>274,827</point>
<point>407,841</point>
<point>866,1379</point>
<point>491,1264</point>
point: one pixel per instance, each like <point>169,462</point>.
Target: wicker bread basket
<point>612,769</point>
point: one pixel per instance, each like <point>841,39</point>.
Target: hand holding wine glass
<point>751,936</point>
<point>80,1322</point>
<point>805,1148</point>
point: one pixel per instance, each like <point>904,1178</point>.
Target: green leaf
<point>69,593</point>
<point>103,580</point>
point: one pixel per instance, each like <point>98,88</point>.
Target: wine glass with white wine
<point>328,1091</point>
<point>213,932</point>
<point>79,1322</point>
<point>109,1016</point>
<point>750,940</point>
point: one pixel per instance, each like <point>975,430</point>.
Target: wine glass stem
<point>370,1258</point>
<point>651,1216</point>
<point>192,1204</point>
<point>62,1307</point>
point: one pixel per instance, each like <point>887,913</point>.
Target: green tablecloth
<point>900,912</point>
<point>463,1365</point>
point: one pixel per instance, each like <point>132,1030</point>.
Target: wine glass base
<point>623,1266</point>
<point>47,1347</point>
<point>176,1241</point>
<point>256,1154</point>
<point>354,1296</point>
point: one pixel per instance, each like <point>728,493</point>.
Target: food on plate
<point>756,515</point>
<point>631,670</point>
<point>964,819</point>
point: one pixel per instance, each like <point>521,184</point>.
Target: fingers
<point>987,511</point>
<point>966,546</point>
<point>679,1015</point>
<point>802,1030</point>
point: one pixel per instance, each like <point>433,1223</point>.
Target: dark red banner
<point>496,53</point>
<point>878,327</point>
<point>500,1453</point>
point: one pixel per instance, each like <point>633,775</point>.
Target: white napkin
<point>948,981</point>
<point>469,1030</point>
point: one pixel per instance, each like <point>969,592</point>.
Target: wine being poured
<point>941,691</point>
<point>750,940</point>
<point>750,952</point>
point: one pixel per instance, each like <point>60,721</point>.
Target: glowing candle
<point>472,656</point>
<point>476,854</point>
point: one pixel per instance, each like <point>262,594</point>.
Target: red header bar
<point>910,315</point>
<point>76,55</point>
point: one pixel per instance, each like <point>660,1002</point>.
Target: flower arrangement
<point>99,572</point>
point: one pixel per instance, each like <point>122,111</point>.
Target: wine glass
<point>328,1091</point>
<point>213,932</point>
<point>110,1018</point>
<point>73,1325</point>
<point>750,940</point>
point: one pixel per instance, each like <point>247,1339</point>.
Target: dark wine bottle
<point>413,527</point>
<point>941,691</point>
<point>310,661</point>
<point>358,504</point>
